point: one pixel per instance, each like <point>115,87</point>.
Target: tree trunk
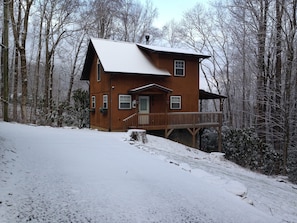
<point>38,59</point>
<point>21,47</point>
<point>5,60</point>
<point>261,74</point>
<point>15,86</point>
<point>73,71</point>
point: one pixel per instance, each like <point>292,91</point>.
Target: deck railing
<point>157,121</point>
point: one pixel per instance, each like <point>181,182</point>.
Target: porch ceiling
<point>150,87</point>
<point>208,95</point>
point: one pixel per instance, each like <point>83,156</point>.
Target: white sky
<point>172,9</point>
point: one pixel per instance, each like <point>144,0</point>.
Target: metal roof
<point>129,58</point>
<point>119,57</point>
<point>208,95</point>
<point>160,49</point>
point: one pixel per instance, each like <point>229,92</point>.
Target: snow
<point>148,86</point>
<point>123,57</point>
<point>71,175</point>
<point>173,50</point>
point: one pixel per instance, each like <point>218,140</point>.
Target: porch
<point>192,121</point>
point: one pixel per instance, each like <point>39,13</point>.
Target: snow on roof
<point>172,50</point>
<point>124,57</point>
<point>149,86</point>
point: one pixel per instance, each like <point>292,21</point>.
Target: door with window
<point>144,110</point>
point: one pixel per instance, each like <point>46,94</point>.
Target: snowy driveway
<point>67,175</point>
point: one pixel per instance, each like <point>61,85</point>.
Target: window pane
<point>93,101</point>
<point>179,72</point>
<point>179,64</point>
<point>124,101</point>
<point>179,68</point>
<point>175,102</point>
<point>175,106</point>
<point>98,71</point>
<point>143,104</point>
<point>105,101</point>
<point>125,106</point>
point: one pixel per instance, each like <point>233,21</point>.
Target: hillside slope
<point>70,175</point>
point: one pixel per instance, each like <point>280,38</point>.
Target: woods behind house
<point>252,44</point>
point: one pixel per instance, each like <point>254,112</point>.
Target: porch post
<point>137,109</point>
<point>220,132</point>
<point>220,139</point>
<point>194,140</point>
<point>166,116</point>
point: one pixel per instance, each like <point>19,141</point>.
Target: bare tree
<point>41,10</point>
<point>57,17</point>
<point>212,38</point>
<point>20,30</point>
<point>290,76</point>
<point>101,16</point>
<point>4,59</point>
<point>77,43</point>
<point>171,33</point>
<point>135,21</point>
<point>260,12</point>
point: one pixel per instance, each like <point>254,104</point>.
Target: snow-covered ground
<point>71,175</point>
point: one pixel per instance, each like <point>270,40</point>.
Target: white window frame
<point>105,101</point>
<point>98,70</point>
<point>179,65</point>
<point>125,99</point>
<point>93,101</point>
<point>175,100</point>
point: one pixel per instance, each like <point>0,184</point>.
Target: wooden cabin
<point>143,86</point>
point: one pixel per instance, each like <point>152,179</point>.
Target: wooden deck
<point>192,121</point>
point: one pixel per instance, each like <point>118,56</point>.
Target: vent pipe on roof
<point>147,38</point>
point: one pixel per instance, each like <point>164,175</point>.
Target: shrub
<point>292,165</point>
<point>243,147</point>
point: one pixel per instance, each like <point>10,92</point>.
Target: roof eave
<point>148,87</point>
<point>136,73</point>
<point>202,56</point>
<point>88,62</point>
<point>205,95</point>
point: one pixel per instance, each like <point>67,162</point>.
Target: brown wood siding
<point>98,89</point>
<point>121,84</point>
<point>187,87</point>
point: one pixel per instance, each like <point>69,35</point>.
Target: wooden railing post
<point>193,121</point>
<point>220,132</point>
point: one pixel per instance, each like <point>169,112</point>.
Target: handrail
<point>129,117</point>
<point>173,120</point>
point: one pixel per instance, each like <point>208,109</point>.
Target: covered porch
<point>192,121</point>
<point>169,121</point>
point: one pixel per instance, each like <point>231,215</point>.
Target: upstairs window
<point>125,101</point>
<point>93,102</point>
<point>98,70</point>
<point>175,102</point>
<point>105,101</point>
<point>179,68</point>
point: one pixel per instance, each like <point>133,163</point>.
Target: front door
<point>144,110</point>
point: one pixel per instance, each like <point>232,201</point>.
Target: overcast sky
<point>172,9</point>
